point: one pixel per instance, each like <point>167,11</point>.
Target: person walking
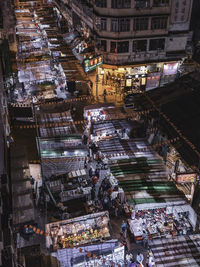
<point>145,240</point>
<point>124,229</point>
<point>139,258</point>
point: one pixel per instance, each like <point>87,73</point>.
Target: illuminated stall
<point>78,231</point>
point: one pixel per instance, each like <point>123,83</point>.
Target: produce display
<point>86,229</point>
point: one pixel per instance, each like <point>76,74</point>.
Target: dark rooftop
<point>180,102</point>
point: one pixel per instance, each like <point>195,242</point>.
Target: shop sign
<point>128,82</point>
<point>153,80</point>
<point>91,64</point>
<point>170,69</point>
<point>186,177</point>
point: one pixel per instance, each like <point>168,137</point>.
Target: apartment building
<point>137,32</point>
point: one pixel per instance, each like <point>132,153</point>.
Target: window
<point>114,25</point>
<point>103,45</point>
<point>101,3</point>
<point>120,47</point>
<point>159,23</point>
<point>160,3</point>
<point>142,3</point>
<point>121,4</point>
<point>113,47</point>
<point>139,45</point>
<point>123,47</point>
<point>156,44</point>
<point>120,25</point>
<point>124,25</point>
<point>141,24</point>
<point>103,24</point>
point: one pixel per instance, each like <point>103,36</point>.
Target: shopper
<point>145,239</point>
<point>139,258</point>
<point>124,228</point>
<point>132,264</point>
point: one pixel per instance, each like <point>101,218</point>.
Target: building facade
<point>137,32</point>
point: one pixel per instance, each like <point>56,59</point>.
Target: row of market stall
<point>46,64</point>
<point>153,204</point>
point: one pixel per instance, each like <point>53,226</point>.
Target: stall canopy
<point>178,251</point>
<point>142,175</point>
<point>68,146</point>
<point>73,257</point>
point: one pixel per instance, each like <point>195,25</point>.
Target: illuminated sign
<point>170,69</point>
<point>186,178</point>
<point>91,64</point>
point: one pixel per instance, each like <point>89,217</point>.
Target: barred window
<point>158,3</point>
<point>120,25</point>
<point>119,47</point>
<point>121,4</point>
<point>159,23</point>
<point>156,44</point>
<point>142,3</point>
<point>141,24</point>
<point>103,24</point>
<point>103,45</point>
<point>101,3</point>
<point>139,45</point>
<point>123,47</point>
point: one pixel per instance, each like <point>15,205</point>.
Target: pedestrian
<point>90,172</point>
<point>125,246</point>
<point>145,239</point>
<point>124,228</point>
<point>139,258</point>
<point>132,264</point>
<point>150,261</point>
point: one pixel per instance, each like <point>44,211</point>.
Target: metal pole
<point>97,80</point>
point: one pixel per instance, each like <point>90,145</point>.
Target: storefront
<point>139,77</point>
<point>169,72</point>
<point>78,231</point>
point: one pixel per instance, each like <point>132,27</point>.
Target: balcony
<point>131,12</point>
<point>140,57</point>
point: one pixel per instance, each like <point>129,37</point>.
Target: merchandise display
<point>96,112</point>
<point>77,193</point>
<point>78,231</point>
<point>157,223</point>
<point>110,129</point>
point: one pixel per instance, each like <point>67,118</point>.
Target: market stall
<point>78,231</point>
<point>117,148</point>
<point>66,146</point>
<point>178,251</point>
<point>162,221</point>
<point>111,129</point>
<point>102,254</point>
<point>96,112</point>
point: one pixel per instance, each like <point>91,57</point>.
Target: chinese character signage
<point>91,64</point>
<point>186,178</point>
